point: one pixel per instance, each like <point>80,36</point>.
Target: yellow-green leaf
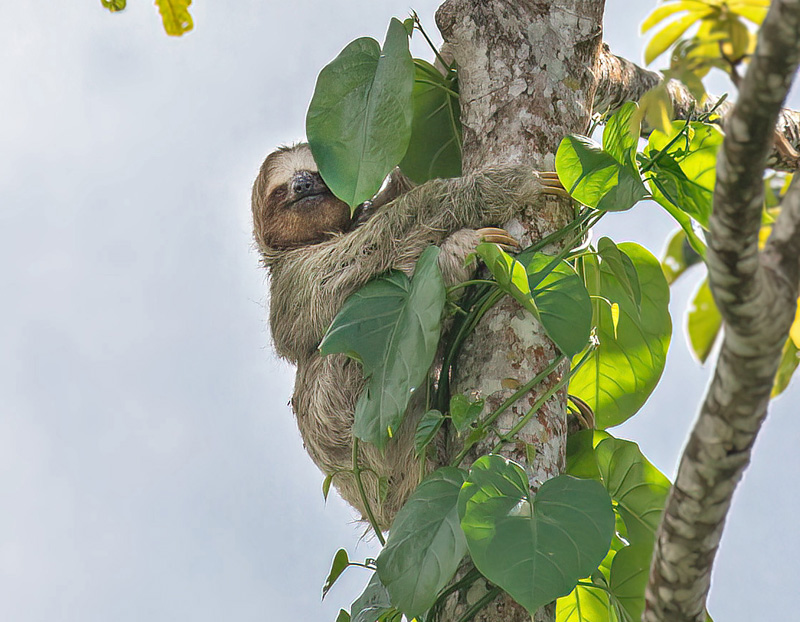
<point>665,37</point>
<point>704,322</point>
<point>660,13</point>
<point>114,5</point>
<point>788,364</point>
<point>755,14</point>
<point>175,15</point>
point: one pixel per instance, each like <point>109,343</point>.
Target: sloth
<point>318,254</point>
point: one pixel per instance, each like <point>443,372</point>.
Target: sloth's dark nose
<point>303,183</point>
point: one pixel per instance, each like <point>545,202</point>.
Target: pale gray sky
<point>150,468</point>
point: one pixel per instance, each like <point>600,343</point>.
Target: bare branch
<point>756,294</point>
<point>620,80</point>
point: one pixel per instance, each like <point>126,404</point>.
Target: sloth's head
<point>292,206</point>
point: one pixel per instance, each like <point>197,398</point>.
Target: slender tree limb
<point>756,294</point>
<point>620,80</point>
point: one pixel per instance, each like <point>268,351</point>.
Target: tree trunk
<point>526,80</point>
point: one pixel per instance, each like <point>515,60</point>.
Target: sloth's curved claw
<point>494,235</point>
<point>551,184</point>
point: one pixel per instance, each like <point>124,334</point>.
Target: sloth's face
<point>292,206</point>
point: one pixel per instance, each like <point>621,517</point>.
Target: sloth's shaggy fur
<point>316,261</point>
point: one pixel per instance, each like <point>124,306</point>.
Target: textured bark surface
<point>757,294</point>
<point>619,80</point>
<point>525,81</point>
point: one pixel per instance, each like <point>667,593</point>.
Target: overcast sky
<point>150,468</point>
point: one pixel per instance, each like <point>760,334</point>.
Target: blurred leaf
<point>786,368</point>
<point>359,120</point>
<point>343,616</point>
<point>114,5</point>
<point>668,35</point>
<point>434,150</point>
<point>626,365</point>
<point>425,545</point>
<point>175,15</point>
<point>661,12</point>
<point>426,430</point>
<point>463,412</point>
<point>683,168</point>
<point>340,563</point>
<point>678,257</point>
<point>655,107</point>
<point>703,322</point>
<point>391,326</point>
<point>535,548</point>
<point>595,178</point>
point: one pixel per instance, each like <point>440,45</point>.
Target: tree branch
<point>757,296</point>
<point>620,80</point>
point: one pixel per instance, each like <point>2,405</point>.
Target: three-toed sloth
<point>318,255</point>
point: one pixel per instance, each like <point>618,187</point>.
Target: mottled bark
<point>757,294</point>
<point>619,80</point>
<point>525,81</point>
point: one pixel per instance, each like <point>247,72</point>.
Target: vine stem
<point>511,399</point>
<point>363,493</point>
<point>487,598</point>
<point>508,436</point>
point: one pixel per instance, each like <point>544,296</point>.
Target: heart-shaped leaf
<point>359,120</point>
<point>565,309</point>
<point>425,544</point>
<point>434,150</point>
<point>391,326</point>
<point>535,548</point>
<point>627,363</point>
<point>595,178</point>
<point>463,412</point>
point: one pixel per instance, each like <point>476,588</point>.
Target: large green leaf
<point>434,150</point>
<point>359,120</point>
<point>392,327</point>
<point>563,303</point>
<point>703,322</point>
<point>627,363</point>
<point>175,16</point>
<point>373,602</point>
<point>595,178</point>
<point>536,549</point>
<point>425,544</point>
<point>621,136</point>
<point>585,604</point>
<point>683,172</point>
<point>550,289</point>
<point>629,573</point>
<point>639,491</point>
